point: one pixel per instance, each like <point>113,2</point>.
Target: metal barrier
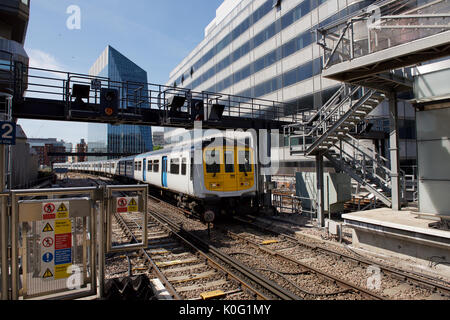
<point>4,246</point>
<point>53,240</point>
<point>44,233</point>
<point>120,201</point>
<point>286,203</point>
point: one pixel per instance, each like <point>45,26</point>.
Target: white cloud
<point>43,60</point>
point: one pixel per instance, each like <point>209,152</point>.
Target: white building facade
<point>267,49</point>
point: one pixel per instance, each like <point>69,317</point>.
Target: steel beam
<point>320,191</point>
<point>47,109</point>
<point>394,152</point>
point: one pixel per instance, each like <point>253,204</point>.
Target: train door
<point>144,169</point>
<point>164,172</point>
<point>230,180</point>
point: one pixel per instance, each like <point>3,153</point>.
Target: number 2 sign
<point>7,132</point>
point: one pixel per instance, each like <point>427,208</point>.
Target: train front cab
<point>229,172</point>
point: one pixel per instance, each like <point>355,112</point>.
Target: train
<point>210,176</point>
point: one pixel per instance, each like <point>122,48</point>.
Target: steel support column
<point>268,178</point>
<point>394,151</point>
<point>320,191</point>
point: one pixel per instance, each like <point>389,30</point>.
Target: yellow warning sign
<point>132,205</point>
<point>62,212</point>
<point>47,274</point>
<point>47,228</point>
<point>61,271</point>
<point>63,226</point>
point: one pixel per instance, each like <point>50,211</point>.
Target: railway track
<point>297,267</point>
<point>348,274</point>
<point>188,272</point>
<point>412,279</point>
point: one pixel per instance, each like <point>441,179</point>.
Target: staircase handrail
<point>367,158</point>
<point>324,117</point>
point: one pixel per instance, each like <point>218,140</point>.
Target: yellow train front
<point>229,180</point>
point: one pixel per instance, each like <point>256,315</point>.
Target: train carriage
<point>210,176</point>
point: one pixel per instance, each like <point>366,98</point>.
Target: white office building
<point>267,49</point>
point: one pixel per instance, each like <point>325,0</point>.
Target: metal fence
<point>51,238</point>
<point>287,203</point>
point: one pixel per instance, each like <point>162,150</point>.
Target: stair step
<point>366,108</point>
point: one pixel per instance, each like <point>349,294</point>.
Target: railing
<point>368,160</point>
<point>329,117</point>
<point>373,167</point>
<point>135,97</point>
<point>287,203</point>
<point>384,25</point>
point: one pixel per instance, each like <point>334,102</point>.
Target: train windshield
<point>212,161</point>
<point>244,161</point>
<point>229,161</point>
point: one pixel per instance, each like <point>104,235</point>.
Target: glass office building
<point>121,138</point>
<point>267,49</point>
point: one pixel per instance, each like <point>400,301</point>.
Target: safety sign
<point>56,240</point>
<point>127,204</point>
<point>132,205</point>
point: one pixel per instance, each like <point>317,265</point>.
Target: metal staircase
<point>326,131</point>
<point>322,129</point>
<point>364,165</point>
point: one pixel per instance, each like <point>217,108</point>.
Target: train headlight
<point>215,185</point>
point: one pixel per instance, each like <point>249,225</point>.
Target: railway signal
<point>109,102</point>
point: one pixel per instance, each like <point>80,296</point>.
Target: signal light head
<point>109,111</point>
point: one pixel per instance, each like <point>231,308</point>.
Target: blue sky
<point>156,35</point>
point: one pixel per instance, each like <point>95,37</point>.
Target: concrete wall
<point>24,165</point>
<point>338,185</point>
<point>433,149</point>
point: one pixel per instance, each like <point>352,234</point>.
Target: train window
<point>192,169</point>
<point>244,161</point>
<point>139,166</point>
<point>212,161</point>
<point>135,166</point>
<point>156,166</point>
<point>150,166</point>
<point>229,161</point>
<point>183,166</point>
<point>175,166</point>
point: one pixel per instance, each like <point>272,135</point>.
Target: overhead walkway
<point>57,95</point>
<point>390,35</point>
